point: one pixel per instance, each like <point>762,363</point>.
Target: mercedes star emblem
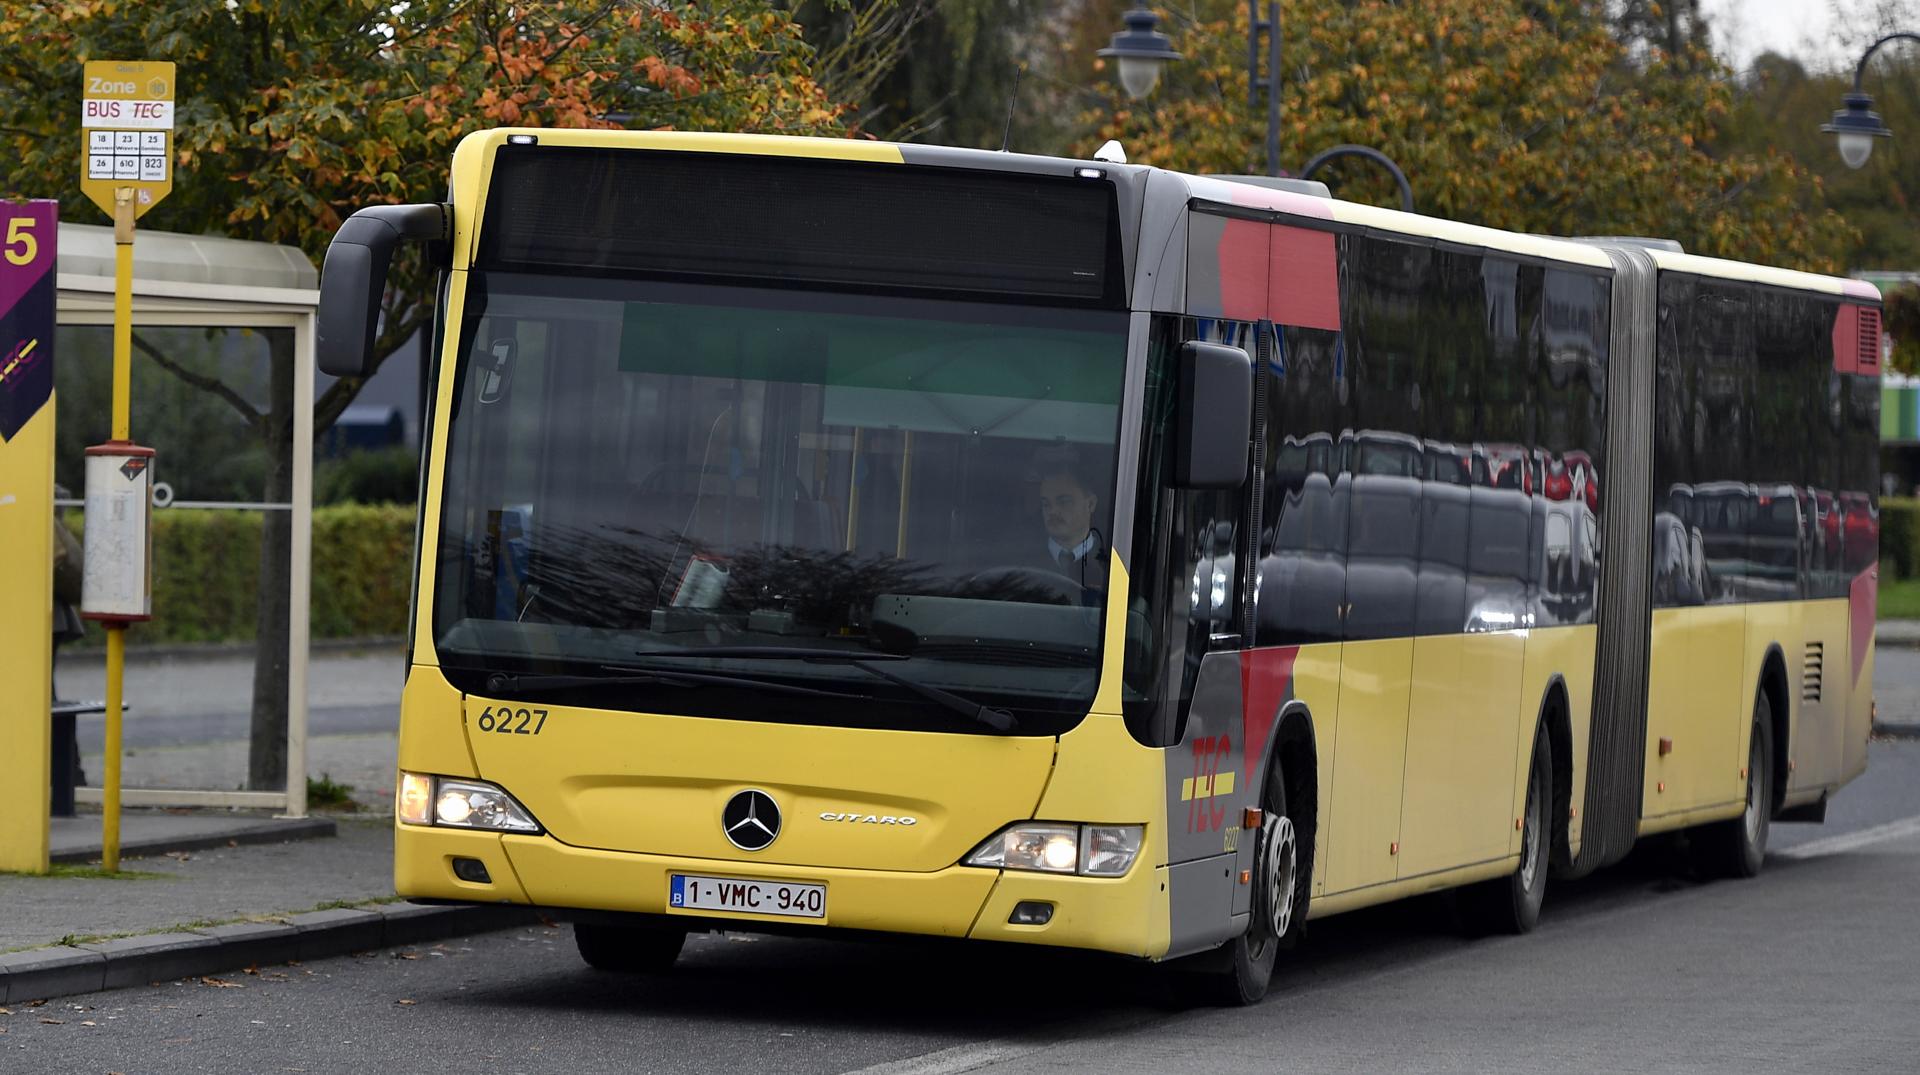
<point>751,820</point>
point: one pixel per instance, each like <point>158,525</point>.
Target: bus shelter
<point>212,302</point>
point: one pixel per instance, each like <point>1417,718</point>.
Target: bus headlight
<point>1109,850</point>
<point>461,804</point>
<point>1092,850</point>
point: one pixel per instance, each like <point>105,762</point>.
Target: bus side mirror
<point>354,277</point>
<point>1216,416</point>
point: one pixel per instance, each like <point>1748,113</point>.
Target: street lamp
<point>1856,125</point>
<point>1142,51</point>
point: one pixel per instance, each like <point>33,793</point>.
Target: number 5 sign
<point>27,233</point>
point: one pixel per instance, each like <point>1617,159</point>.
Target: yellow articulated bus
<point>841,535</point>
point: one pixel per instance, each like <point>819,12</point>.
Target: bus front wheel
<point>628,949</point>
<point>1237,973</point>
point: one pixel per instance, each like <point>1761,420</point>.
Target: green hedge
<point>1899,536</point>
<point>206,564</point>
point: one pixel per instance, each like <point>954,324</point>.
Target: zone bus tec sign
<point>126,113</point>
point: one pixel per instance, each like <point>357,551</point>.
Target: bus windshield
<point>638,469</point>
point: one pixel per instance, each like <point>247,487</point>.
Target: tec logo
<point>20,359</point>
<point>1204,790</point>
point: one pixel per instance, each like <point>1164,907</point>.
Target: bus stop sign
<point>126,115</point>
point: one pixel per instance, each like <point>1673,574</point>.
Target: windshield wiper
<point>499,681</point>
<point>998,719</point>
<point>787,653</point>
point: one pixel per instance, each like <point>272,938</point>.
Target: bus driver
<point>1073,548</point>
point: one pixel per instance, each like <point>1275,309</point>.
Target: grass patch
<point>326,794</point>
<point>92,873</point>
<point>1900,600</point>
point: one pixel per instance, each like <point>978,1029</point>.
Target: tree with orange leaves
<point>291,114</point>
<point>1530,115</point>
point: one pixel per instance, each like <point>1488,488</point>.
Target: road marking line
<point>951,1061</point>
<point>1833,845</point>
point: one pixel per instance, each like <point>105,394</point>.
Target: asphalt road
<point>1811,967</point>
<point>175,701</point>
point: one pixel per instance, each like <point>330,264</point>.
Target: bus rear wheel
<point>628,949</point>
<point>1737,847</point>
<point>1511,904</point>
<point>1237,973</point>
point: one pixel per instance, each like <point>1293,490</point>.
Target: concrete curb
<point>264,832</point>
<point>65,970</point>
<point>1894,729</point>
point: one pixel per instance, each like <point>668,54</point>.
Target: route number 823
<point>510,721</point>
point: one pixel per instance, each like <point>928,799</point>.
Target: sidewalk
<point>204,892</point>
<point>219,909</point>
<point>1903,633</point>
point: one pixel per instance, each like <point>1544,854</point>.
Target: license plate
<point>793,899</point>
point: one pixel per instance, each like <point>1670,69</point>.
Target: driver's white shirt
<point>1054,548</point>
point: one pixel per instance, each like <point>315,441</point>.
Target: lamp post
<point>1856,125</point>
<point>1368,153</point>
<point>1142,51</point>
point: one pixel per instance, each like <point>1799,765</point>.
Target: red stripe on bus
<point>1303,284</point>
<point>1243,270</point>
<point>1846,340</point>
<point>1266,682</point>
<point>1862,598</point>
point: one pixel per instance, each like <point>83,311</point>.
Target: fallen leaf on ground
<point>88,1022</point>
<point>251,970</point>
<point>221,983</point>
<point>54,1022</point>
<point>407,1003</point>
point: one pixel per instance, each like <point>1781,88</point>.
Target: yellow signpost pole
<point>127,116</point>
<point>122,434</point>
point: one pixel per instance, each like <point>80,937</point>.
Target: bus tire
<point>1511,904</point>
<point>1237,973</point>
<point>1738,846</point>
<point>628,949</point>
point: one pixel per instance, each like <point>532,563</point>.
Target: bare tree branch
<point>254,419</point>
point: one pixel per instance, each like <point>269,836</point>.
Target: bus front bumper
<point>1104,914</point>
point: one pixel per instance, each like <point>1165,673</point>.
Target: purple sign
<point>28,232</point>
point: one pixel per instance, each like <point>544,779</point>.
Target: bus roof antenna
<point>1112,152</point>
<point>1013,98</point>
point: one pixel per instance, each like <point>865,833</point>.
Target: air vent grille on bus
<point>1869,338</point>
<point>1813,671</point>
